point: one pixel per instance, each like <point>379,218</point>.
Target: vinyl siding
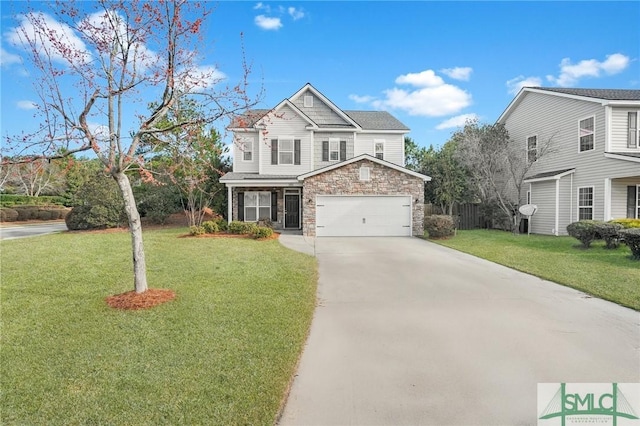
<point>393,146</point>
<point>317,147</point>
<point>288,123</point>
<point>567,208</point>
<point>241,166</point>
<point>619,127</point>
<point>543,195</point>
<point>320,113</point>
<point>619,196</point>
<point>557,119</point>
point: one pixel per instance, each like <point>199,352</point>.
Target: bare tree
<point>497,165</point>
<point>34,178</point>
<point>98,70</point>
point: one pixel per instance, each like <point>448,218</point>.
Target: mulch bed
<point>134,301</point>
<point>273,236</point>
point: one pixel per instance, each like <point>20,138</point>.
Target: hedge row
<point>24,213</point>
<point>613,233</point>
<point>10,200</point>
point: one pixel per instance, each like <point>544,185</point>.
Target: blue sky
<point>431,64</point>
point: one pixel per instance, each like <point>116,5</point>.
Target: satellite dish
<point>528,209</point>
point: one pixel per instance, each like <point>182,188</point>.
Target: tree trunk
<point>135,227</point>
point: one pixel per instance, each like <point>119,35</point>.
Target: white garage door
<point>363,216</point>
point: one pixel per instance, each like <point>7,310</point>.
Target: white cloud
<point>267,23</point>
<point>426,78</point>
<point>7,58</point>
<point>26,105</point>
<point>295,13</point>
<point>262,6</point>
<point>457,121</point>
<point>458,73</point>
<point>361,99</point>
<point>571,73</point>
<point>71,50</point>
<point>515,84</point>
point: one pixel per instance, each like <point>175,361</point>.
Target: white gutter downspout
<point>557,224</point>
<point>229,204</point>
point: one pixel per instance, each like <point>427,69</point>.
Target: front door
<point>292,211</point>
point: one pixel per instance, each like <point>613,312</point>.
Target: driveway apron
<point>411,333</point>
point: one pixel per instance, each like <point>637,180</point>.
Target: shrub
<point>196,230</point>
<point>10,200</point>
<point>222,224</point>
<point>609,233</point>
<point>27,212</point>
<point>632,240</point>
<point>94,217</point>
<point>8,215</point>
<point>262,232</point>
<point>265,222</point>
<point>46,214</point>
<point>243,228</point>
<point>157,202</point>
<point>584,231</point>
<point>439,226</point>
<point>627,223</point>
<point>210,227</point>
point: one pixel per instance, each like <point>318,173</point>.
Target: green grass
<point>223,352</point>
<point>608,274</point>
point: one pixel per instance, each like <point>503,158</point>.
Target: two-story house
<point>592,167</point>
<point>308,165</point>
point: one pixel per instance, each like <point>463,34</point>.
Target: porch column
<point>607,199</point>
<point>229,204</point>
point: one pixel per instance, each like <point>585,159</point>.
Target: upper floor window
<point>587,132</point>
<point>532,149</point>
<point>633,136</point>
<point>585,203</point>
<point>308,101</point>
<point>246,146</point>
<point>285,150</point>
<point>379,148</point>
<point>334,150</point>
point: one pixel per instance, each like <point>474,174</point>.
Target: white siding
<point>543,195</point>
<point>619,196</point>
<point>393,146</point>
<point>287,123</point>
<point>557,119</point>
<point>320,113</point>
<point>239,165</point>
<point>619,126</point>
<point>317,147</point>
<point>567,207</point>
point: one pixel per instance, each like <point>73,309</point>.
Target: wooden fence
<point>467,215</point>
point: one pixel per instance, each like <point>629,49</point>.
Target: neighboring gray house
<point>593,169</point>
<point>306,164</point>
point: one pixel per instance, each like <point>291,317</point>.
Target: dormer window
<point>308,101</point>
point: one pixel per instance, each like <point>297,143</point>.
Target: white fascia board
<point>262,183</point>
<point>549,178</point>
<point>621,157</point>
<point>364,157</point>
<point>622,103</point>
<point>243,129</point>
<point>395,132</point>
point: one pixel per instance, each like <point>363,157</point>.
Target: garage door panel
<point>363,215</point>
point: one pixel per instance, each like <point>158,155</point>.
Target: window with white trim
<point>308,101</point>
<point>257,205</point>
<point>285,151</point>
<point>378,145</point>
<point>585,203</point>
<point>532,149</point>
<point>633,135</point>
<point>334,149</point>
<point>246,145</point>
<point>365,173</point>
<point>587,134</point>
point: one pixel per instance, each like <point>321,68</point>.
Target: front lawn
<point>223,352</point>
<point>608,274</point>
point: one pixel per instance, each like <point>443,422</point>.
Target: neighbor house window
<point>334,150</point>
<point>587,134</point>
<point>585,203</point>
<point>379,148</point>
<point>285,150</point>
<point>246,145</point>
<point>633,137</point>
<point>257,205</point>
<point>532,149</point>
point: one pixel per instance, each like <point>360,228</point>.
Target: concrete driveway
<point>411,333</point>
<point>15,230</point>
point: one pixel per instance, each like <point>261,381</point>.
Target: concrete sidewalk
<point>411,333</point>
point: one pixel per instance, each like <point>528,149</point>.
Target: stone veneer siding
<point>345,180</point>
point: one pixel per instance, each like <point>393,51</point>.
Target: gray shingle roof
<point>376,120</point>
<point>548,174</point>
<point>608,94</point>
<point>252,176</point>
<point>627,154</point>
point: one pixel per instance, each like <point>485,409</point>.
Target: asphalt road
<point>407,332</point>
<point>11,232</point>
